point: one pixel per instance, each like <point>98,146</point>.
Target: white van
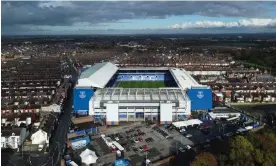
<point>249,127</point>
<point>182,130</point>
<point>188,147</point>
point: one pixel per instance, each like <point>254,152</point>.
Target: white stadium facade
<point>137,94</point>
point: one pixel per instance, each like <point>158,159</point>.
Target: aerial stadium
<point>116,95</point>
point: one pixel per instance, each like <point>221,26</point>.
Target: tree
<point>241,150</point>
<point>255,139</point>
<point>205,159</point>
<point>258,156</point>
<point>270,159</point>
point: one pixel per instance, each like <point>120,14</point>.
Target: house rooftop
<point>9,132</point>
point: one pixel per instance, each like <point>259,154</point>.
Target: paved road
<point>59,139</point>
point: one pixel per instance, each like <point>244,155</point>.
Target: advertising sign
<point>81,98</point>
<point>201,99</point>
<point>122,115</point>
<point>80,142</point>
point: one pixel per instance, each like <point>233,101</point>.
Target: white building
<point>40,138</point>
<point>13,138</point>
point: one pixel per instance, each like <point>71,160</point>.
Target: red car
<point>113,150</point>
<point>146,148</point>
<point>206,126</point>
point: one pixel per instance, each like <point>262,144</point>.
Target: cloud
<point>22,15</point>
<point>250,23</point>
<point>55,4</point>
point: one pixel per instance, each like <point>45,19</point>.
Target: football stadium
<point>162,95</point>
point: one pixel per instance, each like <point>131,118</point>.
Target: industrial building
<point>138,94</point>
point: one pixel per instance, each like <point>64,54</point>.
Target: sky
<point>138,17</point>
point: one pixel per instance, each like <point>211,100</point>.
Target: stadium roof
<point>145,68</point>
<point>140,94</point>
<point>183,78</point>
<point>97,75</point>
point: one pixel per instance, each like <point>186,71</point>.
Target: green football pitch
<point>141,84</point>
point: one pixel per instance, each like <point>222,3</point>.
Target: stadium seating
<point>144,77</point>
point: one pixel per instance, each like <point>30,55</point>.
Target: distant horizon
<point>137,17</point>
<point>149,34</point>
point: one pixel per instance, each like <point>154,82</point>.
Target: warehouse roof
<point>98,75</point>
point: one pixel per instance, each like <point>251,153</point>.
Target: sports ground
<point>141,84</point>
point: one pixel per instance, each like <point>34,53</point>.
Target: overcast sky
<point>60,17</point>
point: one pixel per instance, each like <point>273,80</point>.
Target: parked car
<point>229,134</point>
<point>188,147</point>
<point>141,133</point>
<point>206,146</point>
<point>207,126</point>
<point>184,133</point>
<point>181,149</point>
<point>127,149</point>
<point>219,137</point>
<point>148,139</point>
<point>189,135</point>
<point>145,148</point>
<point>182,130</point>
<point>135,149</point>
<point>140,139</point>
